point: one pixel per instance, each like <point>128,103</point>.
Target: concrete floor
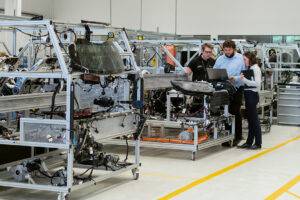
<point>164,171</point>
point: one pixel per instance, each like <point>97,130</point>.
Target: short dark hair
<point>206,45</point>
<point>229,44</point>
<point>252,57</point>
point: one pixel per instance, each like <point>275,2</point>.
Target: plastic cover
<point>100,58</point>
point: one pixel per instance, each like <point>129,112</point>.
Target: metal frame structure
<point>162,81</point>
<point>190,44</point>
<point>64,74</point>
<point>276,69</point>
<point>196,123</point>
<point>193,148</point>
<point>25,102</point>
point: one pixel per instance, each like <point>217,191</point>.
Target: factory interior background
<point>149,99</point>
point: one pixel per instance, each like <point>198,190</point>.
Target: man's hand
<point>242,76</point>
<point>187,70</point>
<point>231,79</point>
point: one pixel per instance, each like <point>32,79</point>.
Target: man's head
<point>207,51</point>
<point>229,48</point>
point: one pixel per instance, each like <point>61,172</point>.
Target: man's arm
<point>242,67</point>
<point>218,63</point>
<point>189,68</point>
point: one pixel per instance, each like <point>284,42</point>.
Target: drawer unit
<point>288,95</point>
<point>289,119</point>
<point>288,110</point>
<point>288,107</point>
<point>288,101</point>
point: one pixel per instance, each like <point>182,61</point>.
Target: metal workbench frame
<point>193,148</point>
<point>188,45</point>
<point>64,99</point>
<point>64,74</point>
<point>196,123</point>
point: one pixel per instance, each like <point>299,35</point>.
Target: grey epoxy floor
<point>164,171</point>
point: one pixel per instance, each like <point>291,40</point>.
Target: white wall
<point>120,13</point>
<point>43,7</point>
<point>126,13</point>
<point>2,3</point>
<point>194,17</point>
<point>234,17</point>
<point>74,10</point>
<point>158,14</point>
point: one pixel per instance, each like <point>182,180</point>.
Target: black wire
<point>155,53</point>
<point>44,174</point>
<point>69,30</point>
<point>127,149</point>
<point>31,35</point>
<point>116,106</point>
<point>122,124</point>
<point>51,177</point>
<point>53,99</point>
<point>35,53</point>
<point>150,59</point>
<point>91,168</point>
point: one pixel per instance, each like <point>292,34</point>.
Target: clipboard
<point>248,74</point>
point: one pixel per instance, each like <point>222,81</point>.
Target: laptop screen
<point>217,74</point>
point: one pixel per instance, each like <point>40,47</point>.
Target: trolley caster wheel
<point>268,129</point>
<point>62,196</point>
<point>231,143</point>
<point>193,156</point>
<point>67,197</point>
<point>136,174</point>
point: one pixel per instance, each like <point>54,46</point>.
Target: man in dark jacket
<point>198,66</point>
<point>200,63</point>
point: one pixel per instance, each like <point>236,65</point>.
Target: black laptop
<point>215,75</point>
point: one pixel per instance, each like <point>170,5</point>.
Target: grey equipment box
<point>289,104</point>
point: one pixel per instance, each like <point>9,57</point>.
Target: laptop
<point>217,74</point>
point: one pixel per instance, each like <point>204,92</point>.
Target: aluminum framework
<point>64,99</point>
<point>67,122</point>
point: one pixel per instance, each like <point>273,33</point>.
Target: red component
<point>84,113</point>
<point>201,139</point>
<point>172,50</point>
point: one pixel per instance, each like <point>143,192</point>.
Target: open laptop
<point>217,74</point>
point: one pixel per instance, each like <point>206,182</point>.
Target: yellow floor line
<point>284,188</point>
<point>293,194</point>
<point>226,169</point>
